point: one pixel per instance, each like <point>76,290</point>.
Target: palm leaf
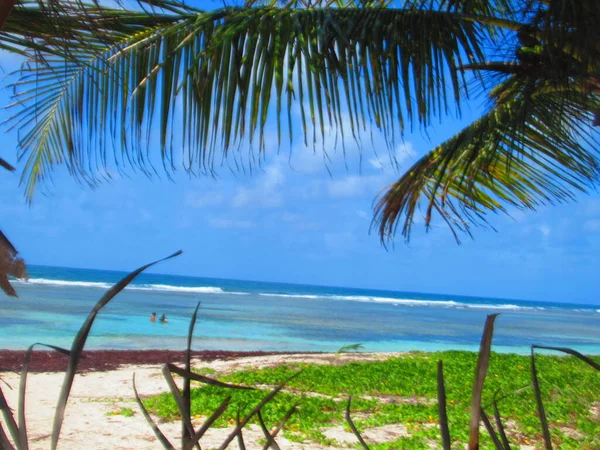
<point>203,82</point>
<point>35,28</point>
<point>528,150</point>
<point>224,67</point>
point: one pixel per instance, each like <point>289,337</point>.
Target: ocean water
<point>248,315</point>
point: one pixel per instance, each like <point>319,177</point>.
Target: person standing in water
<point>153,317</point>
<point>163,319</point>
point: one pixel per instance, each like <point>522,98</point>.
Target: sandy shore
<point>105,386</point>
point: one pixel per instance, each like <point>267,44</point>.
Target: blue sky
<point>290,221</point>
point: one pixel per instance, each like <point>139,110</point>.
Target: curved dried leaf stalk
<point>79,342</point>
<point>187,430</point>
<point>207,424</point>
<point>273,445</point>
<point>500,427</point>
<point>442,411</point>
<point>9,420</point>
<point>157,432</point>
<point>186,421</point>
<point>270,443</point>
<point>483,361</point>
<point>490,429</point>
<point>350,423</point>
<point>540,403</point>
<point>241,424</point>
<point>538,393</point>
<point>23,439</point>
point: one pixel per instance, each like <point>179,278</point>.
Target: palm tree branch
<point>526,152</point>
<point>229,63</point>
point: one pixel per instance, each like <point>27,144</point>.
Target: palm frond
<point>527,151</point>
<point>206,81</point>
<point>37,27</point>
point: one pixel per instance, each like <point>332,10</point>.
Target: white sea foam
<point>397,301</point>
<point>91,284</point>
<point>406,302</point>
<point>134,287</point>
<point>292,295</point>
<point>492,306</point>
<point>168,287</point>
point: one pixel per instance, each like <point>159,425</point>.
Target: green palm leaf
<point>42,27</point>
<point>525,152</point>
<point>203,82</point>
<point>222,68</point>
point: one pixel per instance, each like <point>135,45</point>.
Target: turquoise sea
<point>249,315</point>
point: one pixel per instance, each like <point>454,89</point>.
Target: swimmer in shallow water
<point>153,317</point>
<point>163,319</point>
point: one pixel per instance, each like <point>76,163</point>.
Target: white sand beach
<point>91,422</point>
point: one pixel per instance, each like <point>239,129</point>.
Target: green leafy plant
<point>125,412</point>
<point>189,435</point>
<point>403,391</point>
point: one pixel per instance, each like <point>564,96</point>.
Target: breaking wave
<point>132,287</point>
<point>405,302</point>
<point>408,302</point>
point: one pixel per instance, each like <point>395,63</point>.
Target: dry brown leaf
<point>10,264</point>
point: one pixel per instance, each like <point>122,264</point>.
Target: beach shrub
<point>403,390</point>
<point>409,390</point>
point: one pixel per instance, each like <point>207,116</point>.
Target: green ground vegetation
<point>403,390</point>
<point>125,412</point>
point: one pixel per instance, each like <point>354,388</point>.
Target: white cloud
<point>545,230</point>
<point>355,186</point>
<point>203,199</point>
<point>517,215</point>
<point>362,214</point>
<point>219,222</point>
<point>265,193</point>
<point>305,160</point>
<point>403,153</point>
<point>310,189</point>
